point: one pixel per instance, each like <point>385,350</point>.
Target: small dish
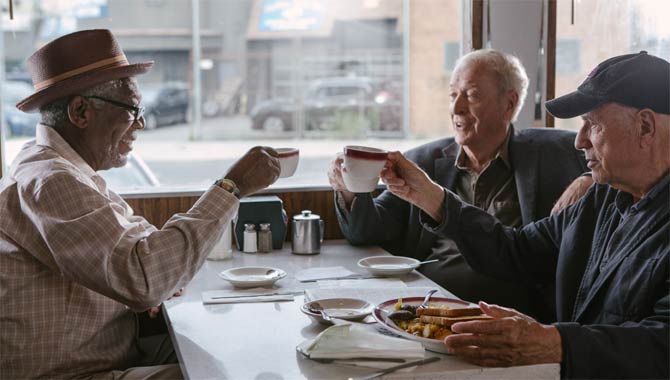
<point>389,265</point>
<point>249,277</point>
<point>351,309</point>
<point>381,312</point>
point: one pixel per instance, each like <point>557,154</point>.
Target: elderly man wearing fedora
<point>606,256</point>
<point>75,263</point>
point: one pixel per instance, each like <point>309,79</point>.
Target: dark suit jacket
<point>544,162</point>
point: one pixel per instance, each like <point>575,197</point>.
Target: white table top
<point>257,341</point>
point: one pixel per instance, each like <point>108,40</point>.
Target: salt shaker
<point>265,238</point>
<point>249,238</point>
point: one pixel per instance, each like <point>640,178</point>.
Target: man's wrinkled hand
<point>408,181</point>
<point>509,339</point>
<point>153,312</point>
<point>335,173</point>
<point>256,170</point>
<point>574,192</point>
<point>335,178</point>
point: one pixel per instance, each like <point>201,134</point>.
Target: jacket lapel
<point>445,175</point>
<point>444,170</point>
<point>525,163</point>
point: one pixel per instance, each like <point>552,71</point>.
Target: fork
<point>427,298</point>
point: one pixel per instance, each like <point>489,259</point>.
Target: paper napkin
<point>249,295</point>
<point>326,273</point>
<point>346,342</point>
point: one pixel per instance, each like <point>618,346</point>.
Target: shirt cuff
<point>342,204</point>
<point>428,222</point>
<point>217,203</point>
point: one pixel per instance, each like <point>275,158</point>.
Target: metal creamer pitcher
<point>307,233</point>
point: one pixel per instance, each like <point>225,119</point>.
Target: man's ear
<point>646,125</point>
<point>511,100</point>
<point>79,112</point>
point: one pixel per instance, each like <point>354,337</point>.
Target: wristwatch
<point>228,185</point>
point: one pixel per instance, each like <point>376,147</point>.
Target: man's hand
<point>256,170</point>
<point>153,312</point>
<point>510,339</point>
<point>336,180</point>
<point>409,182</point>
<point>574,192</point>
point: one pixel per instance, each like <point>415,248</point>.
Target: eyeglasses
<point>137,112</point>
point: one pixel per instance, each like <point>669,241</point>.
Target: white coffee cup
<point>288,161</point>
<point>359,185</point>
<point>362,166</point>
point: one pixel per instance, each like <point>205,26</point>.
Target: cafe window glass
<point>602,29</point>
<point>311,74</point>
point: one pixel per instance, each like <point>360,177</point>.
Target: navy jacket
<point>610,270</point>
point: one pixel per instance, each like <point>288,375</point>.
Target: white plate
<point>343,308</point>
<point>381,312</point>
<point>388,265</point>
<point>249,277</point>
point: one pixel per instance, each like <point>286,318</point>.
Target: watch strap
<point>228,185</point>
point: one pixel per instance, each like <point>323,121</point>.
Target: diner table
<point>257,341</point>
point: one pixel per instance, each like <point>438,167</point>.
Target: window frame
<point>472,42</point>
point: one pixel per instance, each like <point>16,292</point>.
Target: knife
<point>259,295</point>
<point>395,368</point>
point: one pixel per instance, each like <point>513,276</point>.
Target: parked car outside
<point>134,175</point>
<point>327,102</point>
<point>18,122</point>
<point>164,103</point>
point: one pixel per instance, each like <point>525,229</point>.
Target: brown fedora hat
<point>75,62</point>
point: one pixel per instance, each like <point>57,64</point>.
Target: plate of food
<point>250,277</point>
<point>352,309</point>
<point>430,325</point>
<point>389,265</point>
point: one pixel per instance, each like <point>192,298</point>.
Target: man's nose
<point>582,139</point>
<point>458,105</point>
<point>139,124</point>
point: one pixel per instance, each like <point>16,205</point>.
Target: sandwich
<point>448,321</point>
<point>449,312</point>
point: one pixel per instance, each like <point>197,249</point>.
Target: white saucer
<point>388,265</point>
<point>249,277</point>
<point>342,308</point>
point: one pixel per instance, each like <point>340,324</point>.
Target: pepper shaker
<point>265,238</point>
<point>250,238</point>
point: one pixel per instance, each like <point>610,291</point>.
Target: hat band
<point>119,60</point>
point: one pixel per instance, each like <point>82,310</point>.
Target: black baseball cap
<point>636,80</point>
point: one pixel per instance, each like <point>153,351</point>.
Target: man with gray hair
<point>607,256</point>
<point>514,174</point>
<point>77,267</point>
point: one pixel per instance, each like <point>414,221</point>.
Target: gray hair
<point>508,68</point>
<point>54,114</point>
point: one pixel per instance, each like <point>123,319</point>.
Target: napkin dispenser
<point>262,209</point>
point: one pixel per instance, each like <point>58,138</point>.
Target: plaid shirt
<point>75,263</point>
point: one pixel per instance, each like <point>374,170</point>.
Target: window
<point>567,57</point>
<point>312,74</point>
<point>602,29</point>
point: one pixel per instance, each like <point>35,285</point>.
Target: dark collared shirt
<point>493,190</point>
<point>624,224</point>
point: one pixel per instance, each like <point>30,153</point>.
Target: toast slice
<point>451,312</point>
<point>448,321</point>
